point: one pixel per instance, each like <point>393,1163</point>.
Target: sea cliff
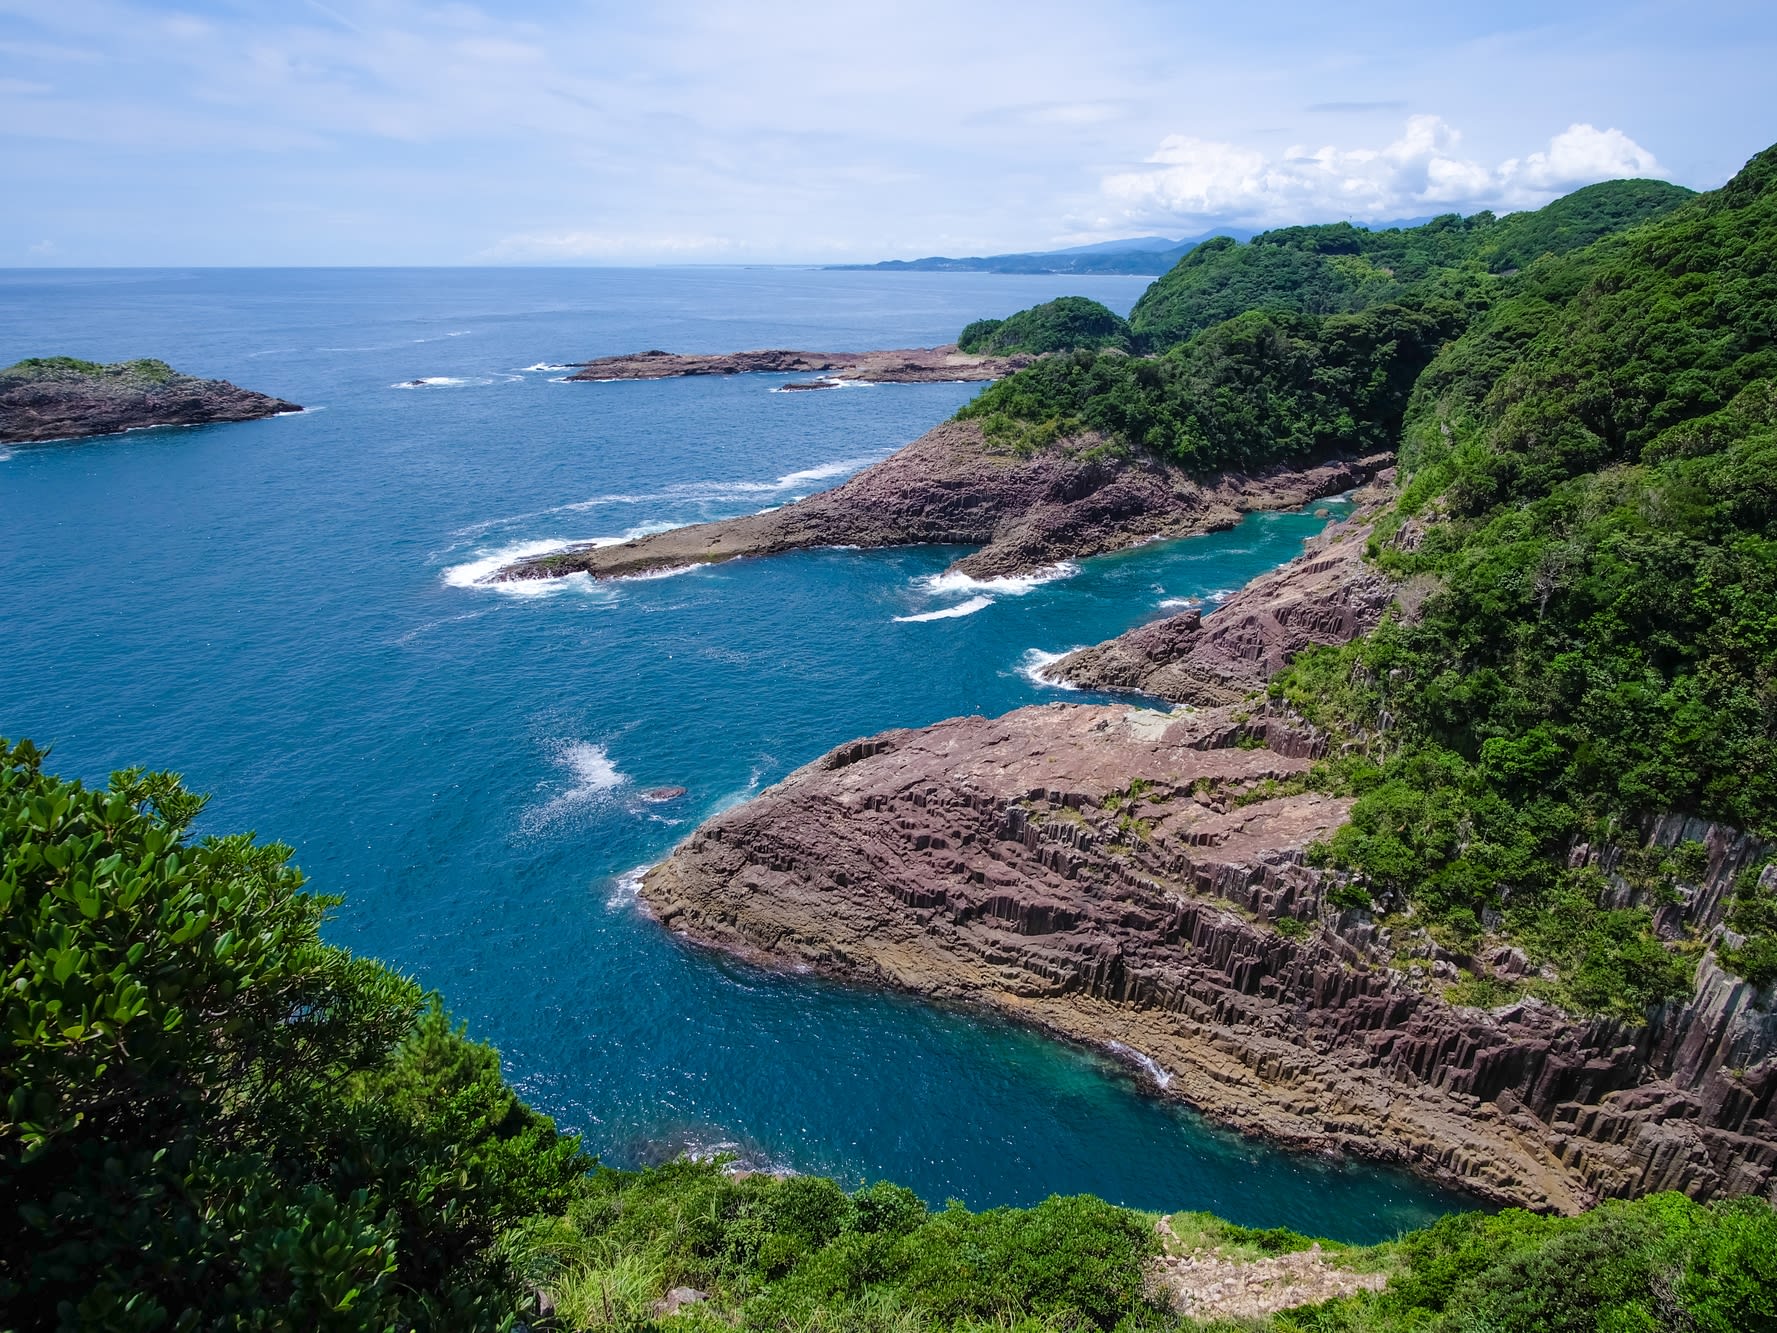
<point>1136,880</point>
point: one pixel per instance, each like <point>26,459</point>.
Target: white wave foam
<point>626,889</point>
<point>1031,665</point>
<point>689,492</point>
<point>1180,603</point>
<point>594,778</point>
<point>430,381</point>
<point>671,571</point>
<point>5,455</point>
<point>1221,595</point>
<point>967,608</point>
<point>477,572</point>
<point>1147,1063</point>
<point>474,573</point>
<point>545,365</point>
<point>1011,585</point>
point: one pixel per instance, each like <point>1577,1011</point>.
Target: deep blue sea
<point>285,612</point>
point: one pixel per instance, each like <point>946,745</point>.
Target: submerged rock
<point>58,398</point>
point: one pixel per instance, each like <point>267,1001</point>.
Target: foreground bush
<point>213,1119</point>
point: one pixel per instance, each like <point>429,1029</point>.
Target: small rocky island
<point>61,398</point>
<point>906,365</point>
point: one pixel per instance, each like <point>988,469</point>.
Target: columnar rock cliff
<point>948,487</point>
<point>1136,880</point>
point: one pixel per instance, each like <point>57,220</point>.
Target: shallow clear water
<point>278,609</point>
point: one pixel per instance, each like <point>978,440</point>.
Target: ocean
<point>286,612</point>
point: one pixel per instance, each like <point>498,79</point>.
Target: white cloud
<point>1190,180</point>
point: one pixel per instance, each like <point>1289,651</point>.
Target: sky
<point>274,132</point>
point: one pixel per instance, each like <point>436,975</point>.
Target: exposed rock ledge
<point>947,487</point>
<point>58,398</point>
<point>1327,595</point>
<point>1006,862</point>
<point>906,365</point>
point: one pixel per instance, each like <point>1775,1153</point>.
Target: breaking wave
<point>1031,665</point>
<point>967,608</point>
<point>593,776</point>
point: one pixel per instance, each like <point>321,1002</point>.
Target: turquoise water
<point>279,610</point>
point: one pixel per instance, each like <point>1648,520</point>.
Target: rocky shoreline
<point>906,365</point>
<point>1025,512</point>
<point>59,398</point>
<point>1328,595</point>
<point>1138,880</point>
<point>1134,879</point>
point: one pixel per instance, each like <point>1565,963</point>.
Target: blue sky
<point>398,131</point>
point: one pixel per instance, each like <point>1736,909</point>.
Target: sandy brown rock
<point>906,365</point>
<point>1327,595</point>
<point>57,399</point>
<point>949,488</point>
<point>1010,863</point>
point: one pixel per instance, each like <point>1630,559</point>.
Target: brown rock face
<point>1126,878</point>
<point>948,488</point>
<point>1327,595</point>
<point>907,365</point>
<point>54,400</point>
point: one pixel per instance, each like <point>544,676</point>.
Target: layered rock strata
<point>58,398</point>
<point>948,488</point>
<point>906,365</point>
<point>1327,595</point>
<point>1136,880</point>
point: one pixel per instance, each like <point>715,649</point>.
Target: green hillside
<point>1340,269</point>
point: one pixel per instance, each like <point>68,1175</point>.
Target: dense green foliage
<point>799,1253</point>
<point>1249,391</point>
<point>1340,269</point>
<point>1593,488</point>
<point>1062,325</point>
<point>211,1118</point>
<point>143,368</point>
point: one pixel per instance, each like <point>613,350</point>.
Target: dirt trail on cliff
<point>1025,512</point>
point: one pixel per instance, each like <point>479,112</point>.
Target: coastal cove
<point>286,612</point>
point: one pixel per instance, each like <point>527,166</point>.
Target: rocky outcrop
<point>906,365</point>
<point>1327,595</point>
<point>58,398</point>
<point>948,487</point>
<point>1136,880</point>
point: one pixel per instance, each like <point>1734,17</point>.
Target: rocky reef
<point>56,398</point>
<point>1136,880</point>
<point>1025,511</point>
<point>906,365</point>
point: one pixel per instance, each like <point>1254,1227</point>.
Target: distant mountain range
<point>1149,255</point>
